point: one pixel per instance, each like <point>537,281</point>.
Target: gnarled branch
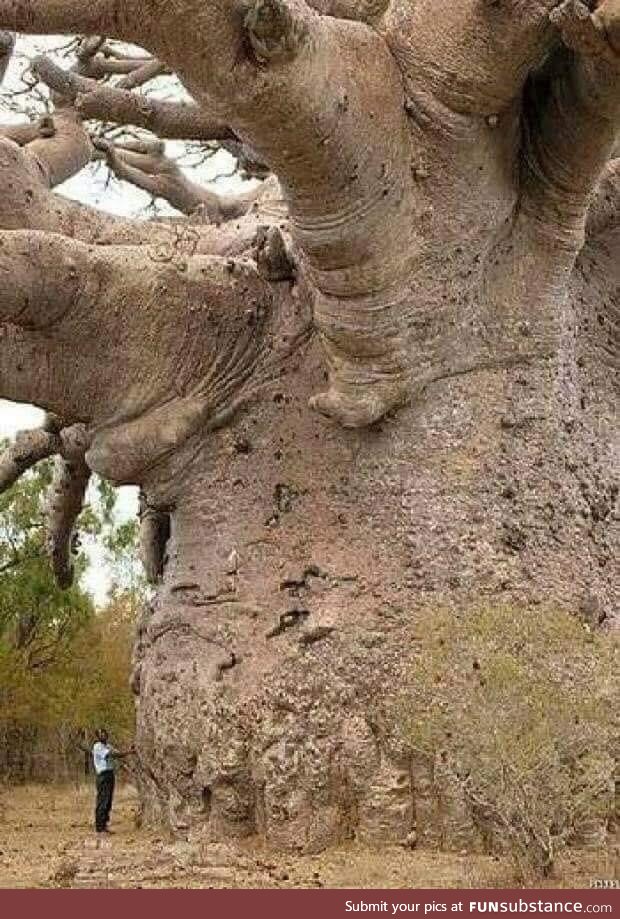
<point>146,166</point>
<point>169,120</point>
<point>27,202</point>
<point>59,285</point>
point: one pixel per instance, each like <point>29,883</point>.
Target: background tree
<point>64,667</point>
<point>433,268</point>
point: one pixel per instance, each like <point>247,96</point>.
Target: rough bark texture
<point>437,272</point>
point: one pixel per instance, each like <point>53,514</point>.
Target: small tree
<point>63,667</point>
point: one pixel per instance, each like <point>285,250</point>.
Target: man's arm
<point>122,754</point>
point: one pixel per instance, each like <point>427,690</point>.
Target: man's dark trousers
<point>105,794</point>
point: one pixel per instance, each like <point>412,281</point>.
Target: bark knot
<point>276,34</point>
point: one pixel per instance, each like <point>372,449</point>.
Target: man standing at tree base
<point>103,760</point>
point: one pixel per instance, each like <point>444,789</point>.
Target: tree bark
<point>440,282</point>
<point>496,487</point>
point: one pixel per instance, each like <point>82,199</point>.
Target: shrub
<point>524,704</point>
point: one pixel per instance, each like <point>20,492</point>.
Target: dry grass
<point>47,840</point>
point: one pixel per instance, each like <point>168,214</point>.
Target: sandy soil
<point>46,840</point>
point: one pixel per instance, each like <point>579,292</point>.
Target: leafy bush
<point>523,704</point>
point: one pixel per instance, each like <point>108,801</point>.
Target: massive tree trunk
<point>383,387</point>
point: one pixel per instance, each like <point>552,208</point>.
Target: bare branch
<point>28,449</point>
<point>147,167</point>
<point>59,285</point>
<point>148,70</point>
<point>87,49</point>
<point>100,66</point>
<point>27,202</point>
<point>107,103</point>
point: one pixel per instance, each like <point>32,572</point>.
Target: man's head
<point>102,735</point>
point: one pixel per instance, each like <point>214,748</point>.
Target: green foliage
<point>37,619</point>
<point>90,686</point>
<point>120,543</point>
<point>524,705</point>
<point>64,666</point>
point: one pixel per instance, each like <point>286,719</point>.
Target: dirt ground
<point>46,840</point>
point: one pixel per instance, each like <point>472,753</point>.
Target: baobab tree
<point>377,385</point>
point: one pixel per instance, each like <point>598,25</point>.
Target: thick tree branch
<point>209,339</point>
<point>87,49</point>
<point>27,202</point>
<point>100,66</point>
<point>39,281</point>
<point>66,493</point>
<point>107,103</point>
<point>308,100</point>
<point>63,152</point>
<point>298,88</point>
<point>570,118</point>
<point>28,449</point>
<point>65,501</point>
<point>25,132</point>
<point>67,17</point>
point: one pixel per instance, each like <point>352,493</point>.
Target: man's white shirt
<point>102,757</point>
